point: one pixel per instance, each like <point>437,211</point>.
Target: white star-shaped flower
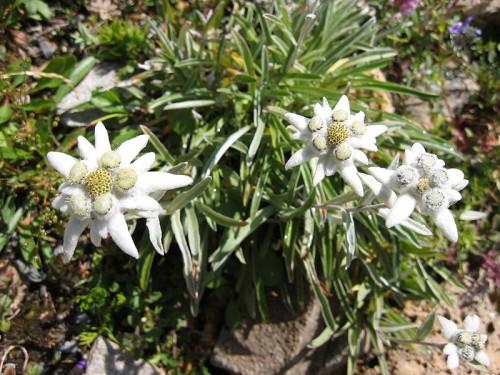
<point>333,139</point>
<point>423,184</point>
<point>464,344</point>
<point>105,186</point>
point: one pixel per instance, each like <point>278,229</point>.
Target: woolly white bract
<point>333,139</point>
<point>466,344</point>
<point>105,186</point>
<point>423,184</point>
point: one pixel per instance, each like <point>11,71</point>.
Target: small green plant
<point>119,39</point>
<point>5,313</point>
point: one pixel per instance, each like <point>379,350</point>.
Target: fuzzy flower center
<point>315,124</point>
<point>338,133</point>
<point>426,160</point>
<point>78,204</point>
<point>102,204</point>
<point>467,353</point>
<point>126,178</point>
<point>474,339</point>
<point>439,178</point>
<point>405,176</point>
<point>423,185</point>
<point>343,152</point>
<point>110,159</point>
<point>358,128</point>
<point>434,199</point>
<point>77,173</point>
<point>98,182</point>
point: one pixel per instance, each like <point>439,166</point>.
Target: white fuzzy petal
<point>450,349</point>
<point>155,235</point>
<point>118,230</point>
<point>350,175</point>
<point>461,185</point>
<point>301,156</point>
<point>101,139</point>
<point>331,165</point>
<point>128,150</point>
<point>87,150</point>
<point>61,162</point>
<point>375,130</point>
<point>94,232</point>
<point>157,181</point>
<point>472,323</point>
<point>402,209</point>
<point>360,157</point>
<point>358,117</point>
<point>141,202</point>
<point>452,195</point>
<point>448,327</point>
<point>364,143</point>
<point>320,171</point>
<point>455,176</point>
<point>144,163</point>
<point>72,233</point>
<point>60,203</point>
<point>382,192</point>
<point>326,105</point>
<point>446,223</point>
<point>416,227</point>
<point>482,358</point>
<point>452,362</point>
<point>297,121</point>
<point>411,155</point>
<point>383,175</point>
<point>343,104</point>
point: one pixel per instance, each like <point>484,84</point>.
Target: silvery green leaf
<point>193,231</point>
<point>350,236</point>
<point>180,238</point>
<point>473,215</point>
<point>218,153</point>
<point>187,196</point>
<point>188,104</point>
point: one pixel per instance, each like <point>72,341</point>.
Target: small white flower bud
<point>315,124</point>
<point>358,127</point>
<point>110,159</point>
<point>467,353</point>
<point>319,142</point>
<point>438,177</point>
<point>464,338</point>
<point>426,161</point>
<point>343,152</point>
<point>405,176</point>
<point>126,178</point>
<point>79,204</point>
<point>434,199</point>
<point>77,173</point>
<point>102,204</point>
<point>478,340</point>
<point>339,115</point>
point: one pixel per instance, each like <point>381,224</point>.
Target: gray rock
<point>103,76</point>
<point>278,346</point>
<point>107,358</point>
<point>484,11</point>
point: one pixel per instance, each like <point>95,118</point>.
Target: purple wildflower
<point>460,29</point>
<point>492,267</point>
<point>82,364</point>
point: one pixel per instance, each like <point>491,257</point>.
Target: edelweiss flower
<point>389,197</point>
<point>464,344</point>
<point>105,185</point>
<point>334,137</point>
<point>423,183</point>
